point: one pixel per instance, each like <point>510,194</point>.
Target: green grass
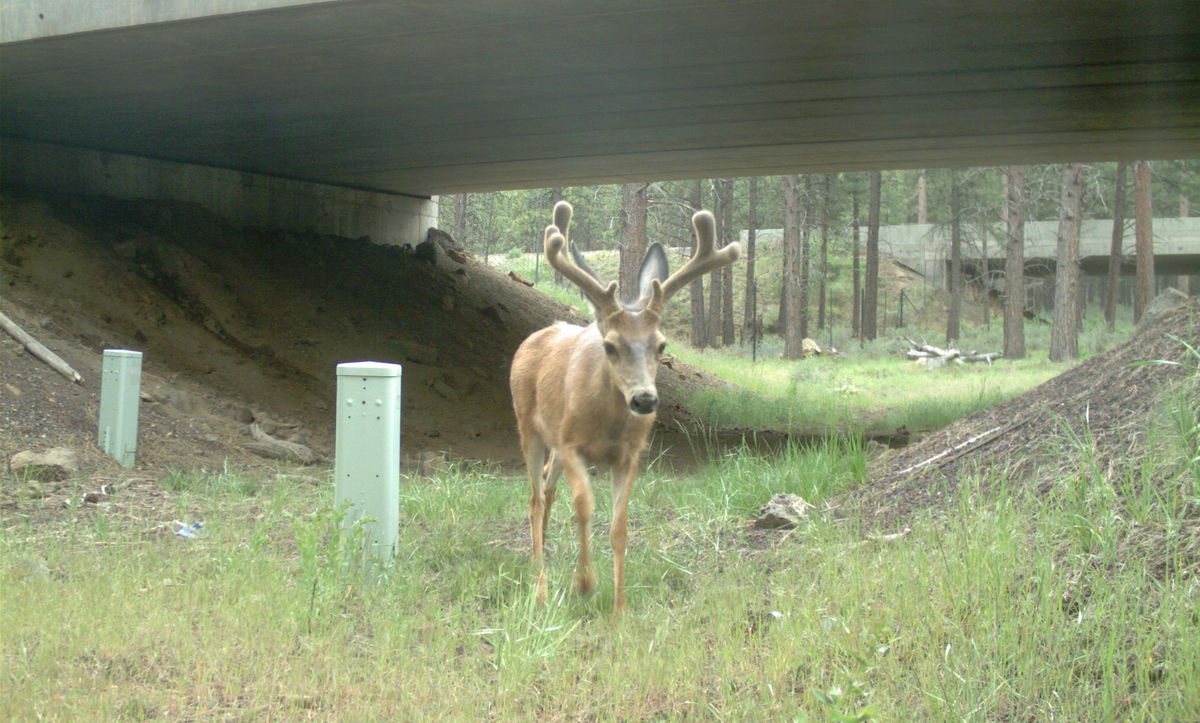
<point>875,394</point>
<point>1010,609</point>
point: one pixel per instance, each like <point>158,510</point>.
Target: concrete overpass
<point>349,116</point>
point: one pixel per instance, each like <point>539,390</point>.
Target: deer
<point>585,396</point>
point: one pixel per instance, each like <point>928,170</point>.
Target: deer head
<point>632,342</point>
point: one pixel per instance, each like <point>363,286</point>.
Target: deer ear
<point>654,267</point>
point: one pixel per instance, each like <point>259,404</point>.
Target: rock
<point>783,512</point>
<point>1161,304</point>
<point>443,239</point>
<point>54,464</point>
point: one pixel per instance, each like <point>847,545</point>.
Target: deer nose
<point>644,402</point>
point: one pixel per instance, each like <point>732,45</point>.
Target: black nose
<point>643,403</point>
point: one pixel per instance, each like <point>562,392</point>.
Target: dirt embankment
<point>237,322</point>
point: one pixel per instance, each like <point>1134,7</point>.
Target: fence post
<point>367,452</point>
<point>120,397</point>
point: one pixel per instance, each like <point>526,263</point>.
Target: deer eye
<point>610,348</point>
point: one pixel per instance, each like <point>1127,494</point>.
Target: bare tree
<point>1014,264</point>
<point>1116,247</point>
<point>954,281</point>
<point>634,208</point>
<point>699,327</point>
<point>748,316</point>
<point>1064,332</point>
<point>1144,239</point>
<point>724,238</point>
<point>805,263</point>
<point>870,302</point>
<point>790,293</point>
<point>922,198</point>
<point>856,262</point>
<point>824,258</point>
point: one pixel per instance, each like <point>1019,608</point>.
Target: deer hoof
<point>585,580</point>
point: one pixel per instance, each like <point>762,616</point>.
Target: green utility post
<point>120,388</point>
<point>367,452</point>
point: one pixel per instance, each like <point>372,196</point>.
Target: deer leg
<point>622,483</point>
<point>535,459</point>
<point>581,498</point>
<point>550,477</point>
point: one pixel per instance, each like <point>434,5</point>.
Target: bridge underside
<point>436,97</point>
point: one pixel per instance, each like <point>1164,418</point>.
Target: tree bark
<point>824,259</point>
<point>954,280</point>
<point>1064,331</point>
<point>856,273</point>
<point>634,207</point>
<point>1014,264</point>
<point>724,238</point>
<point>790,302</point>
<point>751,306</point>
<point>922,198</point>
<point>1144,237</point>
<point>805,260</point>
<point>870,302</point>
<point>1116,246</point>
<point>699,327</point>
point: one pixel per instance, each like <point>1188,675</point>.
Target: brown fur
<point>575,400</point>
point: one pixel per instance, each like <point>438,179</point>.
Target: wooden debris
<point>934,357</point>
<point>273,448</point>
<point>39,350</point>
<point>519,279</point>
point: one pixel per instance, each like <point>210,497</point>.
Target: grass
<point>875,394</point>
<point>1011,608</point>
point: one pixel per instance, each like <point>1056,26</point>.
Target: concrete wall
<point>28,19</point>
<point>242,198</point>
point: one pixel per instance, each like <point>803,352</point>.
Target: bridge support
<point>242,198</point>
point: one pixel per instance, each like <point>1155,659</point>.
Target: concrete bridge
<point>350,116</point>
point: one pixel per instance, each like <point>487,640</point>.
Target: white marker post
<point>366,464</point>
<point>120,389</point>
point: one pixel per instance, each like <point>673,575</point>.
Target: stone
<point>783,512</point>
<point>56,463</point>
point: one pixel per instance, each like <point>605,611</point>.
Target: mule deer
<point>586,396</point>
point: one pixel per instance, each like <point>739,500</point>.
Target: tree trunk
<point>954,281</point>
<point>724,238</point>
<point>922,198</point>
<point>1116,247</point>
<point>1064,331</point>
<point>634,206</point>
<point>751,307</point>
<point>856,273</point>
<point>697,287</point>
<point>824,260</point>
<point>790,301</point>
<point>1014,264</point>
<point>870,302</point>
<point>712,316</point>
<point>1144,237</point>
<point>460,218</point>
<point>805,262</point>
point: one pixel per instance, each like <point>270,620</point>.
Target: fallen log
<point>39,350</point>
<point>935,356</point>
<point>274,448</point>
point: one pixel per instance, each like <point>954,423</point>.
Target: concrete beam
<point>28,20</point>
<point>242,198</point>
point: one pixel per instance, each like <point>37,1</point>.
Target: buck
<point>586,397</point>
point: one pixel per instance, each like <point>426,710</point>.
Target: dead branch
<point>39,350</point>
<point>267,446</point>
<point>962,445</point>
<point>944,356</point>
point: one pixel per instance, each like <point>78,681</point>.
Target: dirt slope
<point>1107,399</point>
<point>236,322</point>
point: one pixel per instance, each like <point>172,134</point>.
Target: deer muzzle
<point>644,402</point>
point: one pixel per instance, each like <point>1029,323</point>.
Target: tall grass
<point>1010,608</point>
